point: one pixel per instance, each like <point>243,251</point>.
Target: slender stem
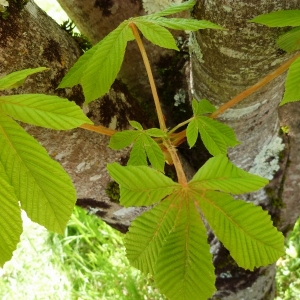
<point>180,125</point>
<point>254,88</point>
<point>99,129</point>
<point>160,115</point>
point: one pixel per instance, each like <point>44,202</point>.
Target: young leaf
<point>192,133</point>
<point>175,8</point>
<point>10,218</point>
<point>290,41</point>
<point>155,132</point>
<point>138,155</point>
<point>140,186</point>
<point>123,139</point>
<point>136,125</point>
<point>216,136</point>
<point>245,229</point>
<point>184,268</point>
<point>16,79</point>
<point>147,234</point>
<point>279,18</point>
<point>184,24</point>
<point>156,34</point>
<point>42,186</point>
<point>43,110</point>
<point>292,87</point>
<point>202,107</point>
<point>218,173</point>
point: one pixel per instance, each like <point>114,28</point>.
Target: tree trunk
<point>223,63</point>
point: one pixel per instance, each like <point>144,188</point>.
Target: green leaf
<point>279,18</point>
<point>184,24</point>
<point>42,186</point>
<point>184,268</point>
<point>136,125</point>
<point>43,110</point>
<point>17,78</point>
<point>138,155</point>
<point>292,83</point>
<point>154,153</point>
<point>10,218</point>
<point>175,8</point>
<point>245,229</point>
<point>192,133</point>
<point>216,136</point>
<point>123,139</point>
<point>218,173</point>
<point>155,132</point>
<point>290,41</point>
<point>105,64</point>
<point>140,186</point>
<point>202,107</point>
<point>74,76</point>
<point>147,234</point>
<point>156,34</point>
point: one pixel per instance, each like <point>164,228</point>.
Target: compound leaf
<point>123,139</point>
<point>136,125</point>
<point>245,229</point>
<point>147,234</point>
<point>140,185</point>
<point>292,86</point>
<point>279,18</point>
<point>156,34</point>
<point>192,133</point>
<point>202,107</point>
<point>218,173</point>
<point>154,153</point>
<point>290,41</point>
<point>155,132</point>
<point>43,110</point>
<point>42,186</point>
<point>184,268</point>
<point>10,218</point>
<point>16,79</point>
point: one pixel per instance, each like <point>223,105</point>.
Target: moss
<point>276,202</point>
<point>113,191</point>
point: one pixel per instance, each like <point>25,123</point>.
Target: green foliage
<point>144,146</point>
<point>97,69</point>
<point>289,41</point>
<point>215,136</point>
<point>171,236</point>
<point>28,174</point>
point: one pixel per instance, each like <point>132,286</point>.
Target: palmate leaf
<point>43,110</point>
<point>290,41</point>
<point>42,186</point>
<point>10,218</point>
<point>123,139</point>
<point>292,85</point>
<point>218,173</point>
<point>156,34</point>
<point>138,155</point>
<point>216,136</point>
<point>279,18</point>
<point>17,78</point>
<point>141,186</point>
<point>202,107</point>
<point>245,229</point>
<point>184,268</point>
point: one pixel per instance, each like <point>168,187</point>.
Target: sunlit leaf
<point>43,110</point>
<point>175,8</point>
<point>138,155</point>
<point>42,186</point>
<point>245,229</point>
<point>123,139</point>
<point>141,186</point>
<point>290,41</point>
<point>202,107</point>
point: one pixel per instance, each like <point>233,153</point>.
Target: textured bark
<point>225,63</point>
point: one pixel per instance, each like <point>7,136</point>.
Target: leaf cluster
<point>28,174</point>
